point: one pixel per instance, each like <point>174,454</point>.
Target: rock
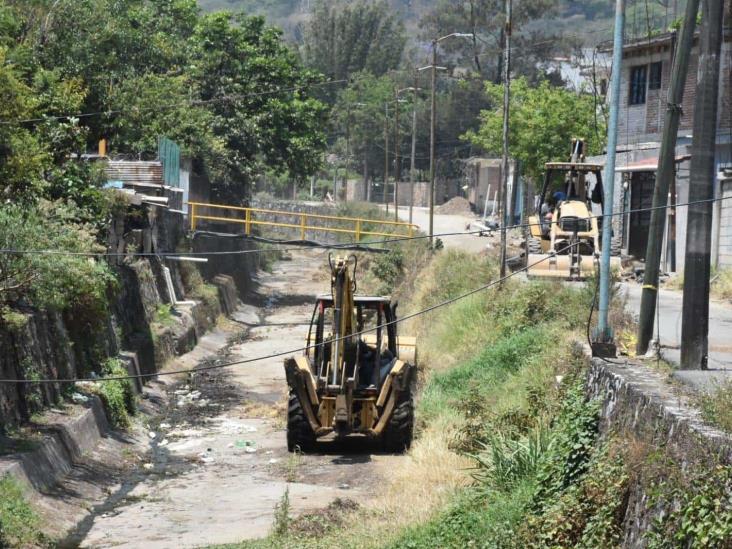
<point>148,466</point>
<point>78,398</point>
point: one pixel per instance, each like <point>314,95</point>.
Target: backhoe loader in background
<point>348,382</point>
<point>564,239</point>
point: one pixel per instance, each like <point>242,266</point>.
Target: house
<point>644,91</point>
<point>483,179</point>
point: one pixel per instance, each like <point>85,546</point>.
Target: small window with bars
<point>637,95</point>
<point>654,76</point>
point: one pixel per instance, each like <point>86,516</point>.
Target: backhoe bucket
<point>561,267</point>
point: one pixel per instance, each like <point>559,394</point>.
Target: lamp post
<point>397,170</point>
<point>434,68</point>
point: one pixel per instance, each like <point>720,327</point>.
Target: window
<point>654,76</point>
<point>637,95</point>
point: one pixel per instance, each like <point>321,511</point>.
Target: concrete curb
<point>63,446</point>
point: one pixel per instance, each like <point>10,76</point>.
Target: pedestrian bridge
<point>308,224</point>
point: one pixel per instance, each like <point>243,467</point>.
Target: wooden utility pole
<point>664,176</point>
<point>506,106</point>
<point>695,312</point>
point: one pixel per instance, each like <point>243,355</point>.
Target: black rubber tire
<point>616,246</point>
<point>533,246</point>
<point>300,435</point>
<point>397,436</point>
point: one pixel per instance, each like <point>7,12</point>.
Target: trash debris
<point>251,429</point>
<point>207,459</point>
<point>165,426</point>
<point>230,445</point>
<point>344,486</point>
<point>250,450</point>
<point>152,434</point>
<point>164,442</point>
<point>273,461</point>
<point>78,398</point>
<point>147,466</point>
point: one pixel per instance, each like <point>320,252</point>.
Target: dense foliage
<point>222,85</point>
<point>543,120</point>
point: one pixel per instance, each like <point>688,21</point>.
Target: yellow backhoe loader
<point>348,382</point>
<point>565,240</point>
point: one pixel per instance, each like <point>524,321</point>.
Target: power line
<point>299,349</point>
<point>12,251</point>
<point>238,97</point>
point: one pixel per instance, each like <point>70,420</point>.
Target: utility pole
<point>506,108</point>
<point>433,77</point>
<point>603,341</point>
<point>664,176</point>
<point>412,168</point>
<point>396,155</point>
<point>433,112</point>
<point>348,147</point>
<point>695,312</point>
<point>386,154</point>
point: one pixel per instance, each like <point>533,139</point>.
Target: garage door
<point>725,225</point>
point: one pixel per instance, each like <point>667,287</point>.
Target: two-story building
<point>645,80</point>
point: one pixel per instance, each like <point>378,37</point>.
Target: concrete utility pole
<point>604,335</point>
<point>695,312</point>
<point>433,112</point>
<point>506,108</point>
<point>433,78</point>
<point>664,176</point>
<point>396,155</point>
<point>412,166</point>
<point>386,154</point>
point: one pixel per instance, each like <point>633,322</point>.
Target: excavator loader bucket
<point>562,267</point>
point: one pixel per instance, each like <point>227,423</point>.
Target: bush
<point>118,396</point>
<point>18,520</point>
<point>56,281</point>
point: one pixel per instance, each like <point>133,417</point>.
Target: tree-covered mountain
<point>591,19</point>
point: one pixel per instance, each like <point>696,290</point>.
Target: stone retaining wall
<point>643,407</point>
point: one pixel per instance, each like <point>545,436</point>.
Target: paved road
<point>670,302</point>
<point>444,223</point>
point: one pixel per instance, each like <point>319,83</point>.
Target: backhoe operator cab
<point>565,237</point>
<point>350,382</point>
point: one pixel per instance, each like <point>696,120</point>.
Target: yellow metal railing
<point>254,216</point>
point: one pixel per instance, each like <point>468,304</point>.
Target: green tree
<point>544,118</point>
<point>342,39</point>
<point>259,97</point>
<point>486,20</point>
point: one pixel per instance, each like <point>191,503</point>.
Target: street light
<point>397,172</point>
<point>434,68</point>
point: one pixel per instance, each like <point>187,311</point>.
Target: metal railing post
<point>302,226</point>
<point>358,230</point>
<point>248,222</point>
<point>193,217</point>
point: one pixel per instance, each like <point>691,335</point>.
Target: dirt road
<point>217,463</point>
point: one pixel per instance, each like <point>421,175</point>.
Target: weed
<point>294,461</point>
<point>118,395</point>
<point>714,406</point>
<point>19,523</point>
<point>282,515</point>
<point>164,315</point>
